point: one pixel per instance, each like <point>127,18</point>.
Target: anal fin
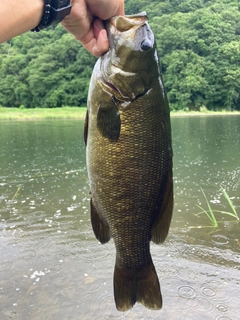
<point>100,228</point>
<point>162,223</point>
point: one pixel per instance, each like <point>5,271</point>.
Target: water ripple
<point>90,284</point>
<point>187,292</point>
<point>220,239</point>
<point>208,292</point>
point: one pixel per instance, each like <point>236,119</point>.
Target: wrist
<point>54,11</point>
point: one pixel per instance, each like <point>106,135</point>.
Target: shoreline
<point>205,113</point>
<point>78,113</point>
<point>34,114</point>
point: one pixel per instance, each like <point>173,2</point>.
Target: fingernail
<point>104,34</point>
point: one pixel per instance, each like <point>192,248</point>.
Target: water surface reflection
<point>52,266</point>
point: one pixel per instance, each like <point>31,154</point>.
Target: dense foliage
<point>198,43</point>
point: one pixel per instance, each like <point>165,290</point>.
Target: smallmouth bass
<point>129,157</point>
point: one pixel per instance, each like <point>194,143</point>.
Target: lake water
<point>51,265</point>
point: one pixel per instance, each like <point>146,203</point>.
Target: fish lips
<point>132,30</point>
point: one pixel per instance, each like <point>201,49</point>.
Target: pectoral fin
<point>100,227</point>
<point>108,120</point>
<point>162,223</point>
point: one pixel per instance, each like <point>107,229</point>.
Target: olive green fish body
<point>129,160</point>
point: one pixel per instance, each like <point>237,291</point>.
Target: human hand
<point>85,22</point>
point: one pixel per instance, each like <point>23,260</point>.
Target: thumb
<point>101,45</point>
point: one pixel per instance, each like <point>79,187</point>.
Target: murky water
<point>52,267</point>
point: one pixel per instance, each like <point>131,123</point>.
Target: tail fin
<point>139,285</point>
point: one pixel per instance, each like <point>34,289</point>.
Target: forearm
<point>18,17</point>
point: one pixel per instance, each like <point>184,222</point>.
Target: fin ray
<point>161,226</point>
<point>108,121</point>
<point>132,286</point>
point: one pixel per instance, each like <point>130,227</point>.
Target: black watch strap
<point>54,11</point>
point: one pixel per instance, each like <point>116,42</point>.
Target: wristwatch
<point>54,11</point>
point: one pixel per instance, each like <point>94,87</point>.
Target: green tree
<point>198,44</point>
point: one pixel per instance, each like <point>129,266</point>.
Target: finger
<point>120,11</point>
<point>102,44</point>
<point>105,9</point>
<point>97,27</point>
<point>96,41</point>
<point>100,34</point>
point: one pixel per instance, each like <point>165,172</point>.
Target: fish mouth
<point>125,23</point>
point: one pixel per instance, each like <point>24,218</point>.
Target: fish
<point>127,133</point>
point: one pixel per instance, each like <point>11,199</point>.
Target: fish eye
<point>146,45</point>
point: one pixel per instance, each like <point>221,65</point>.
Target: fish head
<point>131,64</point>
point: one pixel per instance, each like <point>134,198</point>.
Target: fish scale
<point>129,158</point>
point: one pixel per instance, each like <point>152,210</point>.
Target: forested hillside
<point>199,49</point>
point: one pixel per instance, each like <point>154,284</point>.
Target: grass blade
<point>205,212</point>
<point>227,213</point>
<point>210,212</point>
<point>213,219</point>
<point>17,192</point>
<point>230,203</point>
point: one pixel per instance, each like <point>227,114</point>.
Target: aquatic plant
<point>209,212</point>
<point>17,192</point>
<point>234,213</point>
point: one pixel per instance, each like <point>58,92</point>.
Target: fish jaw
<point>131,41</point>
<point>118,24</point>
